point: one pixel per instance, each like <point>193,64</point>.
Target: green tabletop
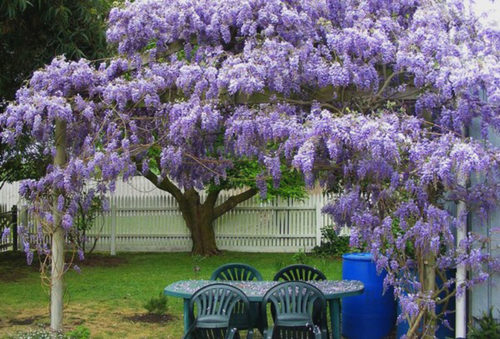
<point>333,290</point>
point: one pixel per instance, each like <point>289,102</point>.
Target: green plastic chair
<point>293,303</point>
<point>214,305</point>
<point>236,272</point>
<point>241,272</point>
<point>299,272</point>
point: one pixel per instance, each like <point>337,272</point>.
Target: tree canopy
<point>371,98</point>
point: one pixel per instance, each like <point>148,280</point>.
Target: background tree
<point>32,33</point>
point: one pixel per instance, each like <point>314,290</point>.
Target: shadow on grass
<point>13,266</point>
<point>102,260</point>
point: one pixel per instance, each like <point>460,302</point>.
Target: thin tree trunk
<point>56,287</point>
<point>430,288</point>
<point>57,267</point>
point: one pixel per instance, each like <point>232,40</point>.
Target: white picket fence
<point>143,218</point>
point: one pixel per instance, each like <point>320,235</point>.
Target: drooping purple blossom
<point>5,233</point>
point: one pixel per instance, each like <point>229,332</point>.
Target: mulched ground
<point>151,318</point>
<point>24,321</point>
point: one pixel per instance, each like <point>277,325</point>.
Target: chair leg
<point>268,333</point>
<point>231,333</point>
<point>189,332</point>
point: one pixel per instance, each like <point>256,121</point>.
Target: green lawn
<point>112,289</point>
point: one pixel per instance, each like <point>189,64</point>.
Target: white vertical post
<point>461,305</point>
<point>461,300</point>
<point>113,229</point>
<point>23,218</point>
<point>319,222</point>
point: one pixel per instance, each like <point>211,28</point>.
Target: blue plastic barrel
<point>371,315</point>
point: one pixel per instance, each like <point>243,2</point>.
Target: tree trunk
<point>203,236</point>
<point>429,285</point>
<point>57,249</point>
<point>57,283</point>
<point>199,219</point>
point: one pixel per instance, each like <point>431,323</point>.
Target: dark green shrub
<point>487,327</point>
<point>332,243</point>
<point>157,305</point>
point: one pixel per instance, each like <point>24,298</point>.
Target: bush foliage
<point>158,305</point>
<point>487,327</point>
<point>332,243</point>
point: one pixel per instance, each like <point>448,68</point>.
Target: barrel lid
<point>358,256</point>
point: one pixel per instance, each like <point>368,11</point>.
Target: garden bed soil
<point>151,318</point>
<point>24,321</point>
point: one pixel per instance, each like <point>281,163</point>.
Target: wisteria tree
<point>371,98</point>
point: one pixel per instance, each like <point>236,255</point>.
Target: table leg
<point>335,317</point>
<point>187,321</point>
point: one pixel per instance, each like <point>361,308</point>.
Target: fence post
<point>14,228</point>
<point>113,229</point>
<point>319,220</point>
<point>24,216</point>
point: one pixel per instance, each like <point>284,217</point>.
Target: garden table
<point>333,290</point>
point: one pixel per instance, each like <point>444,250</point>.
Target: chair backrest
<point>214,304</point>
<point>236,271</point>
<point>293,303</point>
<point>299,272</point>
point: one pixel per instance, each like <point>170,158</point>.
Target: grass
<point>110,291</point>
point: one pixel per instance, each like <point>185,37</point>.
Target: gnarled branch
<point>211,198</point>
<point>165,184</point>
<point>233,201</point>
